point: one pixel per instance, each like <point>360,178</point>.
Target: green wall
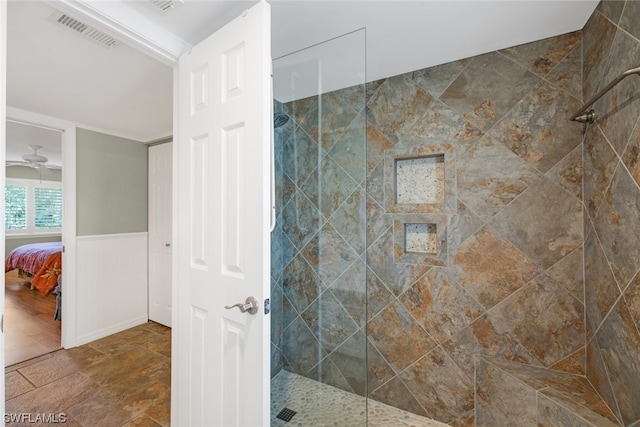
<point>111,184</point>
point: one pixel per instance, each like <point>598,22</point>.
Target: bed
<point>42,261</point>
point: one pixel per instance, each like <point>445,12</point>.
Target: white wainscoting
<point>111,284</point>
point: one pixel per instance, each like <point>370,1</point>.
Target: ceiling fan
<point>34,160</point>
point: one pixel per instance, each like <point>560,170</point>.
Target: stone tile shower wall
<point>511,285</point>
<point>612,201</point>
<point>507,278</point>
<point>318,247</point>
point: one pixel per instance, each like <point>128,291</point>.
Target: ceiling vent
<point>166,5</point>
<point>85,30</point>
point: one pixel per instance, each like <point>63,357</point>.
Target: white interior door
<point>221,356</point>
<point>160,182</point>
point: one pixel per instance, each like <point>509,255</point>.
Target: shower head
<point>279,119</point>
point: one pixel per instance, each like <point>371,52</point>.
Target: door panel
<point>222,355</point>
<point>160,182</point>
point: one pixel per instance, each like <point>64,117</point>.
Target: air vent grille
<point>85,30</point>
<point>166,5</point>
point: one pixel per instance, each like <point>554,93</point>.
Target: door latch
<point>250,306</point>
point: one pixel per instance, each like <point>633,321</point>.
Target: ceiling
<point>53,71</point>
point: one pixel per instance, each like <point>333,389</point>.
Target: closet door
<point>160,233</point>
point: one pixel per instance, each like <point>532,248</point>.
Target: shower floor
<point>318,404</point>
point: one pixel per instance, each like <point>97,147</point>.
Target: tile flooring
<point>318,404</point>
<point>124,380</point>
<point>120,380</point>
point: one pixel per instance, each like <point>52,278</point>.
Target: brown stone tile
<point>439,124</point>
<point>461,225</point>
<point>599,167</point>
<point>569,273</point>
<point>486,336</point>
<point>467,420</point>
<point>618,225</point>
<point>54,397</point>
<point>567,75</point>
<point>600,286</point>
<point>578,392</point>
<point>540,310</point>
<point>377,143</point>
<point>487,88</point>
<point>160,411</point>
<point>331,321</point>
<point>119,343</point>
<point>566,414</point>
<point>490,176</point>
<point>619,343</point>
<point>378,296</point>
<point>618,108</point>
<point>349,220</point>
<point>351,290</point>
<point>632,299</point>
<point>490,268</point>
<point>567,173</point>
<point>598,34</point>
<point>543,55</point>
<point>142,421</point>
<point>544,223</point>
<point>125,364</point>
<point>440,305</point>
<point>573,364</point>
<point>599,378</point>
<point>396,277</point>
<point>389,330</point>
<point>500,399</point>
<point>396,106</point>
<point>441,387</point>
<point>98,410</point>
<point>157,328</point>
<point>15,384</point>
<point>631,156</point>
<point>435,80</point>
<point>395,393</point>
<point>537,133</point>
<point>329,254</point>
<point>136,394</point>
<point>612,9</point>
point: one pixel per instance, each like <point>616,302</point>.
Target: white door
<point>160,182</point>
<point>221,356</point>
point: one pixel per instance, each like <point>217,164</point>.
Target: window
<point>32,207</point>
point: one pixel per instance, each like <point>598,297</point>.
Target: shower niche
<point>418,194</point>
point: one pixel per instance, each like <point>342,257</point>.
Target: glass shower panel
<point>318,271</point>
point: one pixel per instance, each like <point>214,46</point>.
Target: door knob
<point>250,306</point>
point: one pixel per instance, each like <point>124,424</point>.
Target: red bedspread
<point>42,260</point>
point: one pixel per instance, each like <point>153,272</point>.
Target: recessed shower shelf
<point>421,238</point>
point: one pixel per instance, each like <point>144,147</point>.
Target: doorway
<point>33,227</point>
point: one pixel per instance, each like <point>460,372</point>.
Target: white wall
<point>111,284</point>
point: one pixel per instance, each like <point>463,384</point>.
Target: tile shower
<point>527,251</point>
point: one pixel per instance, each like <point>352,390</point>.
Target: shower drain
<point>286,414</point>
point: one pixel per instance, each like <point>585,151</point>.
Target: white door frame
<point>68,137</point>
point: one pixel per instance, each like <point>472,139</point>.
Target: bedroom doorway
<point>33,235</point>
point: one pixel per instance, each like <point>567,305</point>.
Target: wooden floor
<point>30,330</point>
<point>120,380</point>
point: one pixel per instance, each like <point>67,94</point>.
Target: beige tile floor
<point>120,380</point>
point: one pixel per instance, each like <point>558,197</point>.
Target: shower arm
<point>584,116</point>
